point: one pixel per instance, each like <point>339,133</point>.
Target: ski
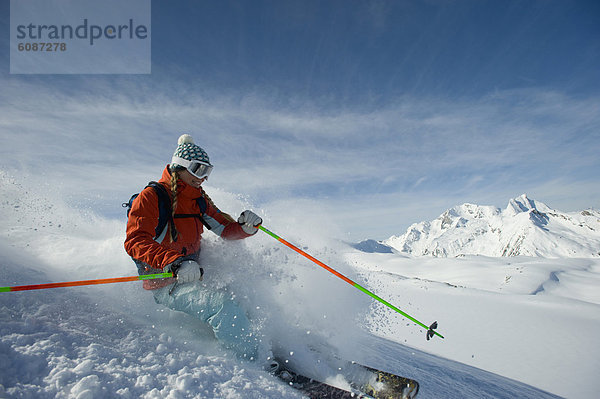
<point>380,384</point>
<point>310,387</point>
<point>365,382</point>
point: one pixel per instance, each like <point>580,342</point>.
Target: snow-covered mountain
<point>525,227</point>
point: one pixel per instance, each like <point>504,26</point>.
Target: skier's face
<point>190,179</point>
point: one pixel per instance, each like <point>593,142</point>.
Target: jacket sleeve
<point>141,225</point>
<point>221,223</point>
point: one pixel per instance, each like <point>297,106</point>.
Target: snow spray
<point>430,330</point>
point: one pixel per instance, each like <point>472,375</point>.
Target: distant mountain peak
<point>525,227</point>
<point>525,204</point>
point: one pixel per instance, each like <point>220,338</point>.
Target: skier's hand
<point>188,271</point>
<point>249,221</point>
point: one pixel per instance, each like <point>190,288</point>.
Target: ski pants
<point>228,321</point>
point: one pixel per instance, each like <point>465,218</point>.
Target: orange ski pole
<point>85,282</point>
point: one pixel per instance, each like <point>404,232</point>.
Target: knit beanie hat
<point>187,150</point>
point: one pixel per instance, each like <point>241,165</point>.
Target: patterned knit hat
<point>187,150</point>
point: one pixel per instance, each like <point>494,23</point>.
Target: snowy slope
<point>512,325</point>
<point>525,227</point>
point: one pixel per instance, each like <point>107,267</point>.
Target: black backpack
<point>165,213</point>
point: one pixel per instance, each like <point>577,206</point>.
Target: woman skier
<point>176,249</point>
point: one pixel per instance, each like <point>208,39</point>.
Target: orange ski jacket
<point>143,219</point>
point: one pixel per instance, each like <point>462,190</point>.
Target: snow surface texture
<point>526,227</point>
<point>515,327</point>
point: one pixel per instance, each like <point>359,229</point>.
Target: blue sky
<point>381,113</point>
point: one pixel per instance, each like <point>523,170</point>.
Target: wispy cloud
<point>386,167</point>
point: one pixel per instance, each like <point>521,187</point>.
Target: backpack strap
<point>203,217</point>
<point>209,222</point>
<point>203,207</point>
<point>165,216</point>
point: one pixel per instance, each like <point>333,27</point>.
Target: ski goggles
<point>199,169</point>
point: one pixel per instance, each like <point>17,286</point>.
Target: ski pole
<point>85,282</point>
<point>430,330</point>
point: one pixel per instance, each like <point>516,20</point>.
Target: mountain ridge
<point>525,227</point>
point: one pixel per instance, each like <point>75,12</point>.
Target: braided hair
<point>174,178</point>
